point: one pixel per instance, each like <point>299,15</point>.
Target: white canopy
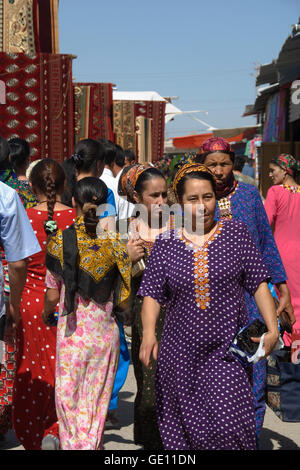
<point>171,110</point>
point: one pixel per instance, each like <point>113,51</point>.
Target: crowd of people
<point>182,253</point>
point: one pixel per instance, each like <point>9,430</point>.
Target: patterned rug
<point>39,102</point>
<point>124,124</point>
<point>29,26</point>
<point>154,110</point>
<point>92,111</point>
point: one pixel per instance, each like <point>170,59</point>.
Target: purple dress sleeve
<point>154,278</point>
<point>254,270</point>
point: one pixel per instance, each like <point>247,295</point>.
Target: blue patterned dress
<point>245,204</point>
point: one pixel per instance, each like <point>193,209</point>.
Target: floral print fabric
<point>88,345</point>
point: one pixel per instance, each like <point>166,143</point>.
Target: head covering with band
<point>287,162</point>
<point>129,179</point>
<point>186,169</point>
<point>216,144</point>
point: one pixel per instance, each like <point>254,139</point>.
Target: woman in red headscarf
<point>283,205</point>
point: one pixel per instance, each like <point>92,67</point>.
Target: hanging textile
<point>39,102</point>
<point>124,125</point>
<point>281,115</point>
<point>92,111</point>
<point>144,138</point>
<point>154,110</point>
<point>29,26</point>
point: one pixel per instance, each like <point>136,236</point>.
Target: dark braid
<point>90,193</point>
<point>48,177</point>
<point>91,220</point>
<point>51,198</point>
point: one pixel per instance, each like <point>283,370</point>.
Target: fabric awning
<point>238,133</point>
<point>190,141</point>
<point>234,135</point>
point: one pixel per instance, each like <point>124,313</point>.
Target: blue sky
<point>204,52</point>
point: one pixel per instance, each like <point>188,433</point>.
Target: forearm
<point>51,300</point>
<point>17,272</point>
<point>283,288</point>
<point>149,314</point>
<point>266,306</point>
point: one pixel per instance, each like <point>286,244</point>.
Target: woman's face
<point>199,203</point>
<point>220,164</point>
<point>153,197</point>
<point>276,174</point>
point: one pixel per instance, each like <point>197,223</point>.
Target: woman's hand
<point>285,302</point>
<point>10,323</point>
<point>270,340</point>
<point>149,346</point>
<point>12,316</point>
<point>46,317</point>
<point>135,250</point>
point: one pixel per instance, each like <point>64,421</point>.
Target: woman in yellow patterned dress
<point>90,275</point>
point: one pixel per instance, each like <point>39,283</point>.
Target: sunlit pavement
<point>276,434</point>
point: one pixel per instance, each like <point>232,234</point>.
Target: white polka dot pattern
<point>204,396</point>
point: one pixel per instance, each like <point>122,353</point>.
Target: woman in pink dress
<point>283,209</point>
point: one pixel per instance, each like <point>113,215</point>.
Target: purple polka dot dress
<point>204,395</point>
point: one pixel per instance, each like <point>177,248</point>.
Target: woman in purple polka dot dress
<point>204,395</point>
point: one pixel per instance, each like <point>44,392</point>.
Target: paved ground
<point>276,435</point>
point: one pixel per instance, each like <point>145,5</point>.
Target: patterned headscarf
<point>216,144</point>
<point>128,180</point>
<point>189,168</point>
<point>287,162</point>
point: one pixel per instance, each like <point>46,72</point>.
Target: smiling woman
<point>242,202</point>
<point>201,282</point>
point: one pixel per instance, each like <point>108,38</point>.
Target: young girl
<point>90,276</point>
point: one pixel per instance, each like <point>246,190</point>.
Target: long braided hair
<point>48,178</point>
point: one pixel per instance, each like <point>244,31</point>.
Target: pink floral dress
<point>86,363</point>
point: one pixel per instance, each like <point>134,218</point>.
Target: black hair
<point>130,155</point>
<point>4,154</point>
<point>109,151</point>
<point>120,156</point>
<point>239,163</point>
<point>147,175</point>
<point>94,191</point>
<point>87,154</point>
<point>48,177</point>
<point>195,175</point>
<point>201,157</point>
<point>19,150</point>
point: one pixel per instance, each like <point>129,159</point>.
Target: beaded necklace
<point>225,205</point>
<point>201,269</point>
<point>291,189</point>
<point>148,244</point>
